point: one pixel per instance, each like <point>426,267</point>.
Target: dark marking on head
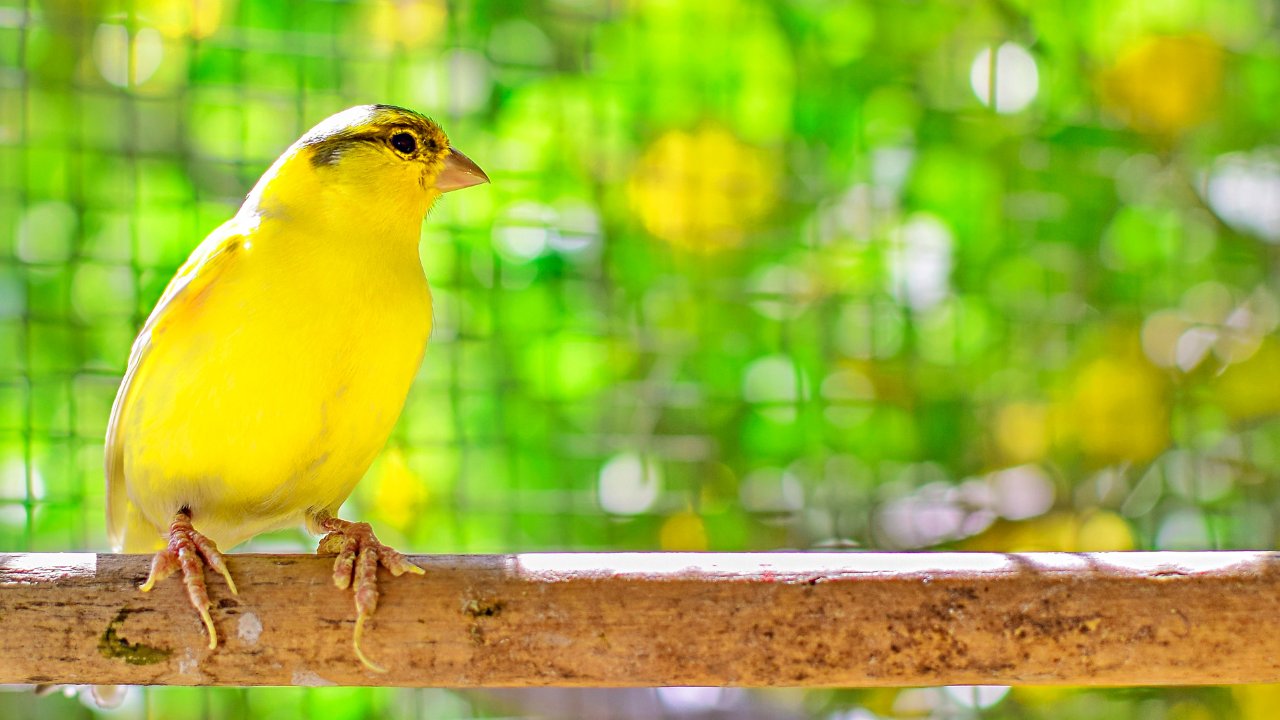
<point>327,153</point>
<point>375,125</point>
<point>329,150</point>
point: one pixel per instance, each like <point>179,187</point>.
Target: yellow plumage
<point>276,363</point>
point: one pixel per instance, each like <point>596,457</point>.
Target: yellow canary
<point>273,368</point>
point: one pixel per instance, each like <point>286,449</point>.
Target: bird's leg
<point>185,551</point>
<point>359,553</point>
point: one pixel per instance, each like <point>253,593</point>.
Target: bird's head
<point>385,142</point>
<point>380,150</point>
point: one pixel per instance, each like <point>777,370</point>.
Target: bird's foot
<point>359,553</point>
<point>187,548</point>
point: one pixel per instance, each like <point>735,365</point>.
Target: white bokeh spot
<point>1244,190</point>
<point>114,52</point>
<point>1016,75</point>
<point>920,261</point>
<point>629,484</point>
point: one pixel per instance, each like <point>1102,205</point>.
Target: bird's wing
<point>207,263</point>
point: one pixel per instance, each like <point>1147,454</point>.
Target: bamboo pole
<point>794,619</point>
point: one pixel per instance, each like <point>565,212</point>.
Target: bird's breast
<point>279,387</point>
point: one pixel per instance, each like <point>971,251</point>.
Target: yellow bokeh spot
<point>1249,389</point>
<point>701,191</point>
<point>1035,695</point>
<point>684,531</point>
<point>1192,710</point>
<point>1100,531</point>
<point>182,18</point>
<point>1165,84</point>
<point>1105,532</point>
<point>1022,431</point>
<point>411,23</point>
<point>1056,532</point>
<point>1119,410</point>
<point>879,700</point>
<point>399,495</point>
<point>1257,702</point>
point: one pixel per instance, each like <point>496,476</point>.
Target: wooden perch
<point>801,619</point>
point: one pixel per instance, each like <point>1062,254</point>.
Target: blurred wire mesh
<point>751,275</point>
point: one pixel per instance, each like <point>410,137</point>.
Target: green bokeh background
<point>751,275</point>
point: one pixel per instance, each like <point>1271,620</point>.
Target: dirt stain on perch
<point>477,608</point>
<point>481,609</point>
<point>112,646</point>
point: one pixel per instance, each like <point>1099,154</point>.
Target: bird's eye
<point>404,142</point>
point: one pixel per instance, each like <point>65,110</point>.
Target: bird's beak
<point>459,172</point>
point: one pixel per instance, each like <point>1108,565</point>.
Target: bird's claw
<point>187,548</point>
<point>359,554</point>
